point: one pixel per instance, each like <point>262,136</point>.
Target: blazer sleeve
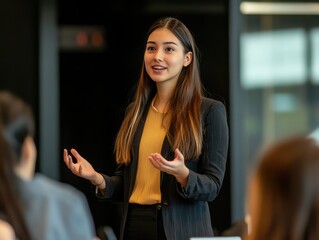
<point>207,173</point>
<point>113,191</point>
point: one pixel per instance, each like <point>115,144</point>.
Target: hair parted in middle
<point>184,130</point>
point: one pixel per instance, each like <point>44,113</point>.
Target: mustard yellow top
<point>147,184</point>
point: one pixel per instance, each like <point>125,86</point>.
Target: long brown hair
<point>285,195</point>
<point>16,123</point>
<point>184,109</point>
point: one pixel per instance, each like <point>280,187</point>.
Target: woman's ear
<point>28,149</point>
<point>26,166</point>
<point>188,59</point>
<point>6,230</point>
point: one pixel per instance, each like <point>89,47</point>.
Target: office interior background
<point>77,63</point>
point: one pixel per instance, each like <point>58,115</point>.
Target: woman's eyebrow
<point>152,42</point>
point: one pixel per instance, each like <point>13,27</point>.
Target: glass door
<point>274,74</point>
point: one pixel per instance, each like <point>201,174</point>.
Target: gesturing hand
<point>176,167</point>
<point>81,167</point>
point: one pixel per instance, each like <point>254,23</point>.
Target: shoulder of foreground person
<point>61,210</point>
<point>56,194</point>
<point>55,187</point>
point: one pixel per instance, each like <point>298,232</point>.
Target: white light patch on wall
<point>280,8</point>
<point>273,58</point>
<point>284,102</point>
<point>314,38</point>
<point>315,134</point>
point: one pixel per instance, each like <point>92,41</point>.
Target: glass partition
<point>274,58</point>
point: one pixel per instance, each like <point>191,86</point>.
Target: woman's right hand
<point>81,167</point>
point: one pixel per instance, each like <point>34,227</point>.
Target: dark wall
<point>19,50</point>
<point>96,86</point>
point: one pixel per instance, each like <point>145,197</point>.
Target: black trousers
<point>144,222</point>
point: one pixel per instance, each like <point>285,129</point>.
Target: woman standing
<point>171,148</point>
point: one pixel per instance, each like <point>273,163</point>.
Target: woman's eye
<point>169,49</point>
<point>150,48</point>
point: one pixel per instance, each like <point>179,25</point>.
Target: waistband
<point>157,206</point>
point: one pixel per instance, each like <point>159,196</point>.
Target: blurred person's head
<point>18,128</point>
<point>284,195</point>
<point>17,157</point>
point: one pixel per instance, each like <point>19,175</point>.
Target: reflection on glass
<point>273,58</point>
<point>275,86</point>
<point>314,38</point>
<point>281,8</point>
<point>284,103</point>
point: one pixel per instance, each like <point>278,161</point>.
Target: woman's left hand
<point>176,167</point>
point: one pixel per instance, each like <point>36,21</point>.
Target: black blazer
<point>185,210</point>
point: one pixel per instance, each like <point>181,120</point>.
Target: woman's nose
<point>158,56</point>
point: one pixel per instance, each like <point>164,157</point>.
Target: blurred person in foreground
<point>37,207</point>
<point>283,200</point>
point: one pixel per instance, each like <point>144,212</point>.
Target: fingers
<point>80,170</point>
<point>67,158</point>
<point>178,154</point>
<point>75,154</point>
<point>65,154</point>
<point>173,167</point>
<point>158,161</point>
<point>154,161</point>
<point>154,155</point>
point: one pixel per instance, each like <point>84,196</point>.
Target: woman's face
<point>164,56</point>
